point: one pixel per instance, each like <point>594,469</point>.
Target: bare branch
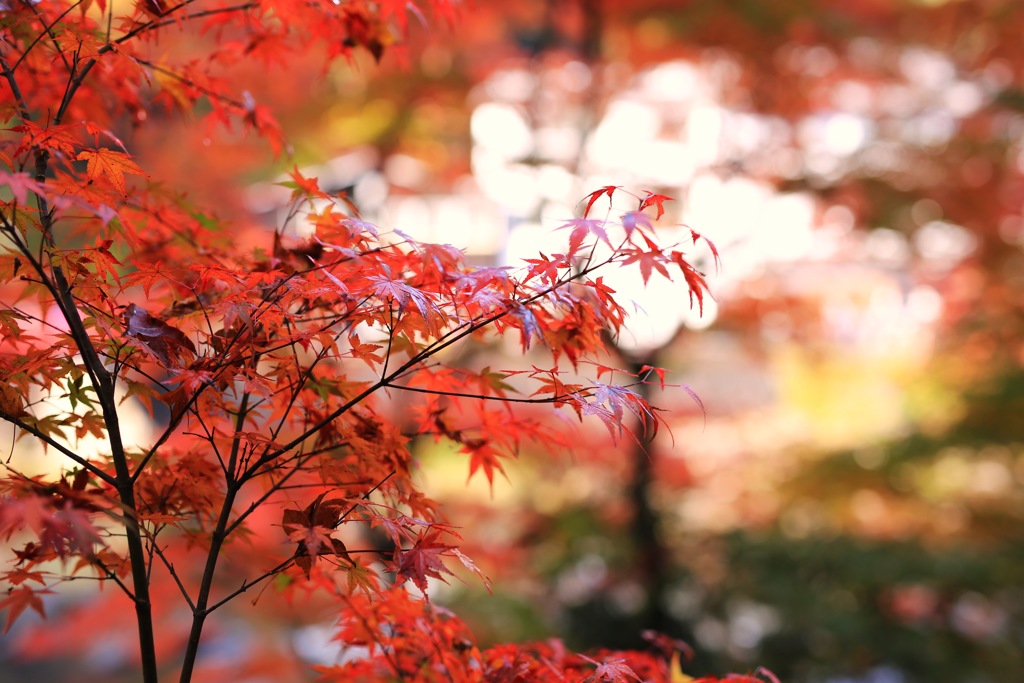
<point>64,450</point>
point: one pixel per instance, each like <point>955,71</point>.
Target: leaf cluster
<point>283,383</point>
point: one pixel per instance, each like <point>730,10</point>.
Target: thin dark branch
<point>246,585</point>
<point>163,21</point>
<point>485,397</point>
<point>365,496</point>
<point>170,570</point>
<point>19,97</point>
<point>220,534</point>
<point>64,450</point>
<point>110,575</point>
<point>102,576</point>
<point>385,650</point>
<point>248,474</point>
<point>209,92</point>
<point>303,380</point>
<point>452,337</point>
<point>48,31</point>
<point>165,435</point>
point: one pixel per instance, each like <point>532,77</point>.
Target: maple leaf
<point>423,559</point>
<point>361,578</point>
<point>529,326</point>
<point>631,220</point>
<point>20,184</point>
<point>646,370</point>
<point>12,402</point>
<point>695,236</point>
<point>303,187</point>
<point>143,393</point>
<point>495,381</point>
<point>76,531</point>
<point>111,164</point>
<point>21,598</point>
<point>471,566</point>
<point>694,279</point>
<point>547,268</point>
<point>104,262</point>
<point>166,343</point>
<point>311,529</point>
<point>402,292</point>
<point>483,456</point>
<point>399,528</point>
<point>649,261</point>
<point>581,228</point>
<point>608,190</point>
<point>260,118</point>
<point>613,670</point>
<point>56,138</point>
<point>618,399</point>
<point>20,575</point>
<point>657,200</point>
<point>366,352</point>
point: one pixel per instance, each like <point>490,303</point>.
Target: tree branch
<point>19,97</point>
<point>246,585</point>
<point>64,450</point>
<point>560,398</point>
<point>170,569</point>
<point>48,31</point>
<point>163,21</point>
<point>217,539</point>
<point>439,345</point>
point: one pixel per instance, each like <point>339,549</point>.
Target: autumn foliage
<point>279,461</point>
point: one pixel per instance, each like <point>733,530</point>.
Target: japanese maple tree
<point>272,373</point>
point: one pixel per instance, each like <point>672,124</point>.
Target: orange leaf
<point>112,164</point>
<point>56,138</point>
<point>12,402</point>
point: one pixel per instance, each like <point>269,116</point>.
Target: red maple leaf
<point>424,559</point>
<point>657,200</point>
<point>21,598</point>
<point>608,190</point>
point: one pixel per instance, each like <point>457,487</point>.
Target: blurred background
<point>847,507</point>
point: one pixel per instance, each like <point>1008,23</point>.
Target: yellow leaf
<point>676,669</point>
